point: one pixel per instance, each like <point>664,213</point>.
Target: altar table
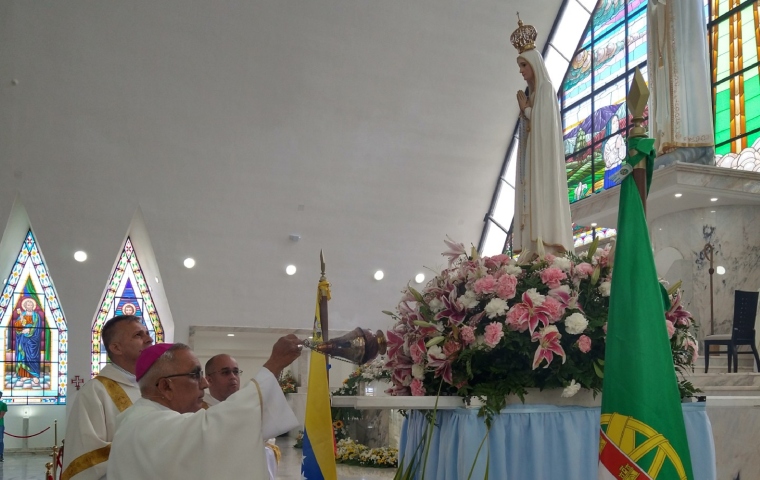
<point>533,442</point>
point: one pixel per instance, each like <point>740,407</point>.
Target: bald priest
<point>166,433</point>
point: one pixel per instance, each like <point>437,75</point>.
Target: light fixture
<point>290,269</point>
<point>712,211</point>
<point>678,195</point>
<point>594,224</point>
<point>157,280</point>
<point>714,199</point>
<point>720,270</point>
<point>379,275</point>
<point>80,256</point>
<point>189,262</point>
<point>419,278</point>
<point>230,334</point>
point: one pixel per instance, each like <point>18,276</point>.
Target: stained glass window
<point>34,332</point>
<point>733,36</point>
<point>127,294</point>
<point>592,96</point>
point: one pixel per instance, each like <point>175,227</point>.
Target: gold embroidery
<point>116,392</point>
<point>85,461</point>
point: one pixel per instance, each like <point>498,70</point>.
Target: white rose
<point>496,307</point>
<point>418,372</point>
<point>575,324</point>
<point>469,299</point>
<point>604,288</point>
<point>535,297</point>
<point>563,263</point>
<point>436,305</point>
<point>571,389</point>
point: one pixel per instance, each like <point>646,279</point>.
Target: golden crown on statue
<point>524,38</point>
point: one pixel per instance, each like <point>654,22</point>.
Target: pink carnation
<point>494,333</point>
<point>549,258</point>
<point>484,285</point>
<point>584,343</point>
<point>552,276</point>
<point>418,390</point>
<point>467,334</point>
<point>671,328</point>
<point>584,269</point>
<point>506,287</point>
<point>555,308</point>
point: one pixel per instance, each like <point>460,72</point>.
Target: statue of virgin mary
<point>542,208</point>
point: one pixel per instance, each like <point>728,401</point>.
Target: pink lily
<point>442,367</point>
<point>395,343</point>
<point>548,346</point>
<point>455,250</point>
<point>527,312</point>
<point>452,309</point>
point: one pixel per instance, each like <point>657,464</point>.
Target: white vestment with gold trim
<point>91,422</point>
<point>153,441</point>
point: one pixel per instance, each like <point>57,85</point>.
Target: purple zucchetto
<point>148,357</point>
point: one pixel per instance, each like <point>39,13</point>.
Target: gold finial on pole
<point>637,99</point>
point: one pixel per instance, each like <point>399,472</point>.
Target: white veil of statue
<point>679,79</point>
<point>542,208</point>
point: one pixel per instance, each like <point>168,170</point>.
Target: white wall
<point>40,417</point>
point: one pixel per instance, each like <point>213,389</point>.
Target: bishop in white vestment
<point>166,434</point>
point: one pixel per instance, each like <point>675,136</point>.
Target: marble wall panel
<point>734,231</point>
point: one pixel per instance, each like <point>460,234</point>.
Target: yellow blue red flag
<point>318,442</point>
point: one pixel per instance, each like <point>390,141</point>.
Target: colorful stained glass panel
<point>127,294</point>
<point>34,334</point>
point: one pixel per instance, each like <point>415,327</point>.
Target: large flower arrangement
<point>353,453</point>
<point>490,327</point>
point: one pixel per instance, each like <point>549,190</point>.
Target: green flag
<point>642,428</point>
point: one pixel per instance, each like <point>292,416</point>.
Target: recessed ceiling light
<point>230,334</point>
<point>290,269</point>
<point>678,195</point>
<point>720,270</point>
<point>189,262</point>
<point>80,256</point>
<point>419,278</point>
<point>379,275</point>
<point>594,224</point>
<point>712,211</point>
<point>157,280</point>
<point>714,199</point>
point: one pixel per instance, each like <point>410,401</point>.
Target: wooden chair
<point>742,331</point>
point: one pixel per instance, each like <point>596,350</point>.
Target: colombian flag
<point>318,443</point>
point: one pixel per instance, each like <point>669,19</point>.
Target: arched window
<point>127,294</point>
<point>33,330</point>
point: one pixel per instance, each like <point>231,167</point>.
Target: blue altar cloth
<point>533,442</point>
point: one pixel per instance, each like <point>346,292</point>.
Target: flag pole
<point>323,313</point>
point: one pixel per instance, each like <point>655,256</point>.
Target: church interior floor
<point>23,466</point>
<point>26,466</point>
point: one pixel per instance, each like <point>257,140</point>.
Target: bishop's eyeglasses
<point>196,375</point>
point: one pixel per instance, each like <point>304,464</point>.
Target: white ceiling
<point>370,128</point>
